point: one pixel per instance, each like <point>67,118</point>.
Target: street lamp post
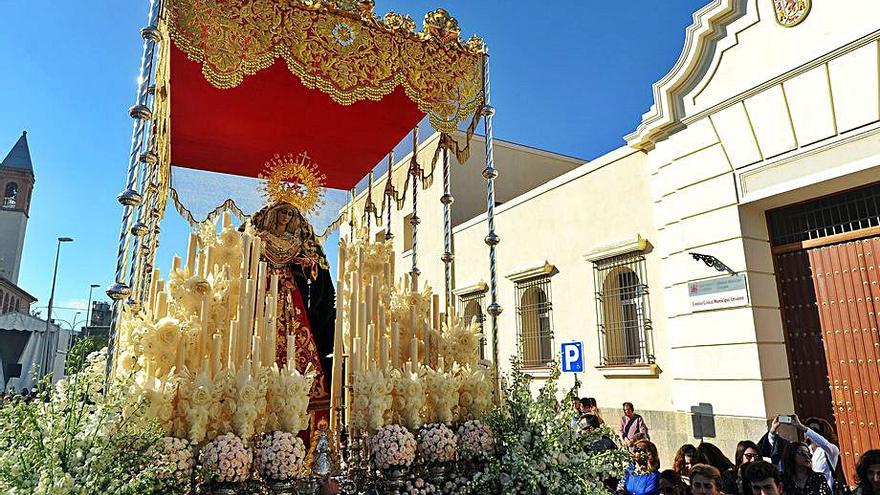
<point>47,355</point>
<point>89,308</point>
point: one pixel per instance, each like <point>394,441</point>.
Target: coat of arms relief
<point>790,13</point>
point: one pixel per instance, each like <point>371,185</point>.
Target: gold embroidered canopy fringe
<point>340,47</point>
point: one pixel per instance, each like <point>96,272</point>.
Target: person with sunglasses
<point>798,476</point>
<point>643,475</point>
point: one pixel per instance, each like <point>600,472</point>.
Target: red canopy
<point>237,130</point>
<point>251,79</point>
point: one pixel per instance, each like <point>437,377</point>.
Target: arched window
<point>10,196</point>
<point>623,311</point>
<point>6,303</point>
<point>535,322</point>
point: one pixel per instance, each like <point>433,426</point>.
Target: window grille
<point>534,323</point>
<point>623,311</point>
<point>470,306</point>
<point>837,214</point>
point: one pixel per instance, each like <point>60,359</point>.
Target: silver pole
<point>389,196</point>
<point>490,173</point>
<point>448,256</point>
<point>131,198</point>
<point>414,220</point>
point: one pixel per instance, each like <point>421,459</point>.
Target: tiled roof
<point>19,156</point>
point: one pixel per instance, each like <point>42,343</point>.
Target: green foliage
<point>74,440</point>
<point>79,351</point>
<point>540,450</point>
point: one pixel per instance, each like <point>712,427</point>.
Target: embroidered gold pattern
<point>340,48</point>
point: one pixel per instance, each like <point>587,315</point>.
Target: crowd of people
<point>773,465</point>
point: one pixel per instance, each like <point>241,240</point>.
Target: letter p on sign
<point>572,357</point>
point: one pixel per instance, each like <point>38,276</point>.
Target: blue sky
<point>571,76</point>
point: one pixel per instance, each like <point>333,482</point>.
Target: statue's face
<point>284,215</point>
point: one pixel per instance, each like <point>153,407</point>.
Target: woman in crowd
<point>588,406</point>
<point>705,480</point>
<point>798,477</point>
<point>672,484</point>
<point>710,454</point>
<point>868,471</point>
<point>643,476</point>
<point>746,451</point>
<point>820,438</point>
<point>684,459</point>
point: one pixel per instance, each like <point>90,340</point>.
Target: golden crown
<point>296,180</point>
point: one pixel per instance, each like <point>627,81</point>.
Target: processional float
<point>304,93</point>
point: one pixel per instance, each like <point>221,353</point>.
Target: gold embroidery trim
<point>348,54</point>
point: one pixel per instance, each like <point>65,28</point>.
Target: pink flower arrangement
<point>420,487</point>
<point>475,438</point>
<point>228,458</point>
<point>280,455</point>
<point>392,446</point>
<point>437,443</point>
<point>173,458</point>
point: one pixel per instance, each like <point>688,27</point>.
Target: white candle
<point>383,354</point>
<point>412,327</point>
<point>191,254</point>
<point>427,338</point>
<point>255,351</point>
<point>369,305</point>
<point>175,263</point>
<point>291,352</point>
<point>371,343</point>
<point>227,219</point>
<point>246,241</point>
<point>215,355</point>
<point>153,293</point>
<point>205,333</point>
<point>232,358</point>
<point>414,352</point>
<point>355,356</point>
<point>435,311</point>
<point>395,345</point>
<point>161,305</point>
<point>362,333</point>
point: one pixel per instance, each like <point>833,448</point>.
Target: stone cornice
<point>666,113</point>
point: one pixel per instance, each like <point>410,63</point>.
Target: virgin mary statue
<point>306,299</point>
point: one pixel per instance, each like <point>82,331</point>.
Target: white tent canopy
<point>23,341</point>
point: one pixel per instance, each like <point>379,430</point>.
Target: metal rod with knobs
<point>490,173</point>
<point>131,198</point>
<point>414,219</point>
<point>389,196</point>
<point>448,256</point>
<point>368,205</point>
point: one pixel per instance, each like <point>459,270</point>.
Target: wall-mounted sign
<point>718,293</point>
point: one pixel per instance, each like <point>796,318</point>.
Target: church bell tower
<point>16,186</point>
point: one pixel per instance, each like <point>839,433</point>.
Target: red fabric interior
<point>236,131</point>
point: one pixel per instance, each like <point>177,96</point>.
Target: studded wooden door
<point>846,279</point>
<point>803,336</point>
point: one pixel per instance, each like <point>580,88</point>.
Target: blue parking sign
<point>572,357</point>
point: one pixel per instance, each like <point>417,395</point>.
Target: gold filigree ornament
<point>339,47</point>
<point>296,180</point>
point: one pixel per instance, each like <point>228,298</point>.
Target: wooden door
<point>847,288</point>
<point>803,336</point>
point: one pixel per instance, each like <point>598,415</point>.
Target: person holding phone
<point>771,445</point>
<point>823,453</point>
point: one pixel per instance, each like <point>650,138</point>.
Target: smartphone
<point>785,420</point>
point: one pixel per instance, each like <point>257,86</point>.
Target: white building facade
<point>761,152</point>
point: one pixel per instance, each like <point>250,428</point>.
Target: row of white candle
<point>252,333</point>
